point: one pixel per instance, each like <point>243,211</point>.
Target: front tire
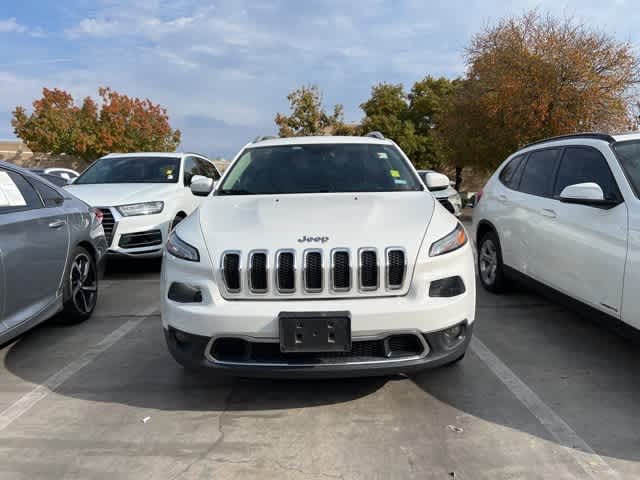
<point>80,287</point>
<point>490,266</point>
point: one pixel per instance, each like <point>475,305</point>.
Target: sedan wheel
<point>81,288</point>
<point>84,285</point>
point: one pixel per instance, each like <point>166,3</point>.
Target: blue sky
<point>223,68</point>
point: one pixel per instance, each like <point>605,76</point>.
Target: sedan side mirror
<point>436,181</point>
<point>201,186</point>
<point>588,193</point>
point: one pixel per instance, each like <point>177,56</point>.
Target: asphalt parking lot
<point>542,393</point>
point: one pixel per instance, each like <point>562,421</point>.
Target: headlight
<point>456,200</point>
<point>453,241</point>
<point>181,249</point>
<point>147,208</point>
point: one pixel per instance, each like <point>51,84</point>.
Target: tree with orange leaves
<point>123,124</point>
<point>537,76</point>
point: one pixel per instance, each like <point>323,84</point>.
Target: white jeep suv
<point>565,213</point>
<point>318,256</point>
<point>142,196</point>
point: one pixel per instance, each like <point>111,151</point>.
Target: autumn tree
<point>121,123</point>
<point>535,76</point>
<point>308,116</point>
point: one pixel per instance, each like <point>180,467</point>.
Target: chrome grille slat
<point>314,271</point>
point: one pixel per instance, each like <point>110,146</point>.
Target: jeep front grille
<point>315,271</point>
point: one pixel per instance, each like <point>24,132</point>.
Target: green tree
<point>387,111</point>
<point>57,125</point>
<point>427,103</point>
<point>308,116</point>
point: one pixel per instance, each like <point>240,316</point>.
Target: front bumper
<point>141,224</point>
<point>192,351</point>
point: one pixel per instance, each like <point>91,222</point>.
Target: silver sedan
<point>51,247</point>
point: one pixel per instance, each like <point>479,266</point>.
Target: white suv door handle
<point>547,212</point>
<point>502,198</point>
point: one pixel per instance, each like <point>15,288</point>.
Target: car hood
<point>111,194</point>
<point>343,220</point>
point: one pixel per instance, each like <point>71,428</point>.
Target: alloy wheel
<point>488,262</point>
<point>84,283</point>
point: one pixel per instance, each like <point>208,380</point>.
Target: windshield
<point>329,168</point>
<point>628,154</point>
<point>131,170</point>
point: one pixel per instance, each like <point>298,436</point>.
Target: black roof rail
<point>260,138</point>
<point>586,135</point>
<point>376,134</point>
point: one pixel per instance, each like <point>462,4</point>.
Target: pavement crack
<point>219,440</point>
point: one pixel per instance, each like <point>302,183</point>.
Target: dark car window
<point>55,179</point>
<point>510,174</point>
<point>50,197</point>
<point>581,165</point>
<point>193,166</point>
<point>131,170</point>
<point>320,168</point>
<point>212,171</point>
<point>537,176</point>
<point>16,193</point>
<point>628,154</point>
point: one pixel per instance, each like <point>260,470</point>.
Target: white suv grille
<point>312,272</point>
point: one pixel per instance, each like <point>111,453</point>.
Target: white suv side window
<point>586,164</point>
<point>537,177</point>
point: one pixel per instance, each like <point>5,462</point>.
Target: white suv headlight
<point>453,241</point>
<point>181,249</point>
<point>147,208</point>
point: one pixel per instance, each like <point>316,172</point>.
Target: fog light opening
<point>447,287</point>
<point>454,336</point>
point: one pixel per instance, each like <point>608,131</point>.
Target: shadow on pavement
<point>581,369</point>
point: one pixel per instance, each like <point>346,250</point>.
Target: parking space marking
<point>27,401</point>
<point>592,463</point>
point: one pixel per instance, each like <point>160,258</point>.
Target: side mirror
<point>585,194</point>
<point>436,181</point>
<point>201,186</point>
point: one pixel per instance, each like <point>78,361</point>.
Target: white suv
<point>318,256</point>
<point>565,213</point>
<point>142,196</point>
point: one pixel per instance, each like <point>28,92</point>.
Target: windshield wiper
<point>235,192</point>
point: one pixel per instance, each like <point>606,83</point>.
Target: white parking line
<point>592,463</point>
<point>26,402</point>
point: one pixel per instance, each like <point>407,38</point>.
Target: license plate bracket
<point>315,332</point>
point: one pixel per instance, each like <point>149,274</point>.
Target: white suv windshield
<point>320,168</point>
<point>131,170</point>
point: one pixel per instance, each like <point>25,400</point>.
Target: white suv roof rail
<point>375,134</point>
<point>260,138</point>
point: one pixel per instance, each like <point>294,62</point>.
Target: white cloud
<point>11,25</point>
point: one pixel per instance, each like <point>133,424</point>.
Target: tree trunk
<point>458,177</point>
